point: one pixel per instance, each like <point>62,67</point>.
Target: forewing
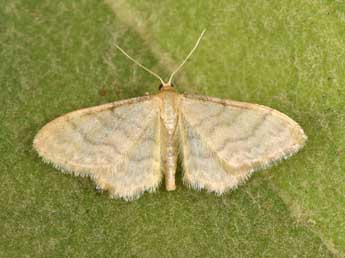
<point>116,144</point>
<point>224,141</point>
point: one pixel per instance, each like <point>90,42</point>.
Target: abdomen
<point>168,142</point>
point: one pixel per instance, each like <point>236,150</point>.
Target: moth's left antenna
<point>136,62</point>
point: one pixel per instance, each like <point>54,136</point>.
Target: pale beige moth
<point>127,146</point>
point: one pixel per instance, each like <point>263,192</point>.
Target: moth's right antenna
<point>187,57</point>
<point>136,62</point>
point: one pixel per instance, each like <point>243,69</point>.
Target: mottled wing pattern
<point>116,144</point>
<point>224,141</point>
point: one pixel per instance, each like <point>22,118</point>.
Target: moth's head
<point>166,86</point>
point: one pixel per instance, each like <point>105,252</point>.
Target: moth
<point>127,146</point>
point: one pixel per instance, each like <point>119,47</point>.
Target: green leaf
<point>58,56</point>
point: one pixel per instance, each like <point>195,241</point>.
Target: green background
<point>58,56</point>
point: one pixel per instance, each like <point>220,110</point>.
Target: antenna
<point>174,72</point>
<point>136,62</point>
<point>187,57</point>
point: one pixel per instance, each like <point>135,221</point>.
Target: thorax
<point>169,101</point>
